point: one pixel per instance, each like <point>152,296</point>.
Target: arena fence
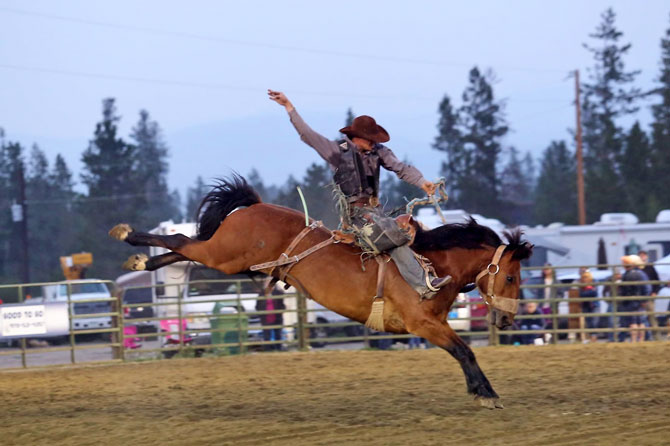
<point>201,324</point>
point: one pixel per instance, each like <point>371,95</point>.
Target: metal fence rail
<point>225,324</point>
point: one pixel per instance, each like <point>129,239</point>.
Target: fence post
<point>303,334</point>
<point>179,319</point>
<point>554,317</point>
<point>70,313</point>
<point>615,318</point>
<point>240,308</point>
<point>22,341</point>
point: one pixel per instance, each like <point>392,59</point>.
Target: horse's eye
<point>510,279</point>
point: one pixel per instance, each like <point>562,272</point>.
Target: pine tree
<point>556,190</point>
<point>607,96</point>
<point>194,196</point>
<point>349,119</point>
<point>41,228</point>
<point>516,189</point>
<point>636,173</point>
<point>152,167</point>
<point>114,193</point>
<point>450,141</point>
<point>288,195</point>
<point>660,133</point>
<point>472,140</point>
<point>11,250</point>
<point>317,187</point>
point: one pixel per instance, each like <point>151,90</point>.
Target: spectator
<point>536,323</point>
<point>652,274</point>
<point>613,291</point>
<point>550,292</point>
<point>272,304</point>
<point>635,322</point>
<point>589,306</point>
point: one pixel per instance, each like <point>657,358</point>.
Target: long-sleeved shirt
<point>330,151</point>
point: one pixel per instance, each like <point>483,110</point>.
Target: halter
<point>500,302</point>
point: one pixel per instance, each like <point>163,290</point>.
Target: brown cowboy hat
<point>366,127</point>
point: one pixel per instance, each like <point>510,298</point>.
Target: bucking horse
<point>237,231</point>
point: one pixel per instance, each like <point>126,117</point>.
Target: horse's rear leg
<point>141,262</point>
<point>125,233</point>
<point>441,334</point>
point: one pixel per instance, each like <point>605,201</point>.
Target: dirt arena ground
<point>600,394</point>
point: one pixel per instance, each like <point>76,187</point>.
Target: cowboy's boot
<point>439,282</point>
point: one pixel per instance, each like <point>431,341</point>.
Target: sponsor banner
<point>25,320</point>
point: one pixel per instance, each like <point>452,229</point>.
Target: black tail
<point>225,197</point>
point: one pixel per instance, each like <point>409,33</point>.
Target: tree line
<point>124,177</point>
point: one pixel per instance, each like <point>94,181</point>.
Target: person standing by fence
<point>649,306</point>
<point>635,322</point>
<point>591,306</point>
<point>272,319</point>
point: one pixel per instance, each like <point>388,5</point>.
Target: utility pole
<point>580,162</point>
<point>21,218</point>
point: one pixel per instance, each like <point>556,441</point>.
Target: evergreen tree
<point>41,229</point>
<point>349,119</point>
<point>152,167</point>
<point>11,163</point>
<point>288,195</point>
<point>450,141</point>
<point>660,133</point>
<point>636,173</point>
<point>317,187</point>
<point>472,140</point>
<point>396,193</point>
<point>516,189</point>
<point>254,179</point>
<point>556,190</point>
<point>608,95</point>
<point>114,193</point>
<point>194,196</point>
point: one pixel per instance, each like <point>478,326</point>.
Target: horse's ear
<point>523,251</point>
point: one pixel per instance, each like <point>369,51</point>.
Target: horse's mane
<point>471,235</point>
<point>226,195</point>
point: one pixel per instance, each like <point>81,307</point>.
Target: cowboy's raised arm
<point>326,148</point>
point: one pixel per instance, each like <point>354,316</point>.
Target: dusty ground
<point>568,395</point>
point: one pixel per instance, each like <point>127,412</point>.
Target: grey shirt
<point>330,151</point>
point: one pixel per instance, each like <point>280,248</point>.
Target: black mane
<point>471,235</point>
<point>225,196</point>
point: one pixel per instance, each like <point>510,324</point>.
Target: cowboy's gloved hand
<point>429,187</point>
<point>281,99</point>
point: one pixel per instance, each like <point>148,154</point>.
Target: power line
<point>264,45</point>
<point>217,86</point>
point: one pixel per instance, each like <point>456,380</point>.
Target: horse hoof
<point>138,262</point>
<point>120,231</point>
<point>490,403</point>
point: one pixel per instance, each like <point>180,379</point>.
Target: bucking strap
<point>286,259</point>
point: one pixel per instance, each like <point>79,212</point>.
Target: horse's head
<point>499,283</point>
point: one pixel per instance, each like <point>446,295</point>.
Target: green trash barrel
<point>228,327</point>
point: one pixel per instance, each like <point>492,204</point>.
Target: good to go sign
<point>23,320</point>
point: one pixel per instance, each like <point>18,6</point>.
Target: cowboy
<point>355,161</point>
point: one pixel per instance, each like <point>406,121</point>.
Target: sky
<point>202,69</point>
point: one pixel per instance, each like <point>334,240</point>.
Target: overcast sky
<point>201,69</point>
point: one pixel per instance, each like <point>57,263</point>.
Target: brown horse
<point>236,231</point>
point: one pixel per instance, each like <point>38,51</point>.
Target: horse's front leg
<point>441,334</point>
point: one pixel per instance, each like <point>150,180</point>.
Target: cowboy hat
<point>366,127</point>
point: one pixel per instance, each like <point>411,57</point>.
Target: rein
<point>286,259</point>
<point>500,302</point>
